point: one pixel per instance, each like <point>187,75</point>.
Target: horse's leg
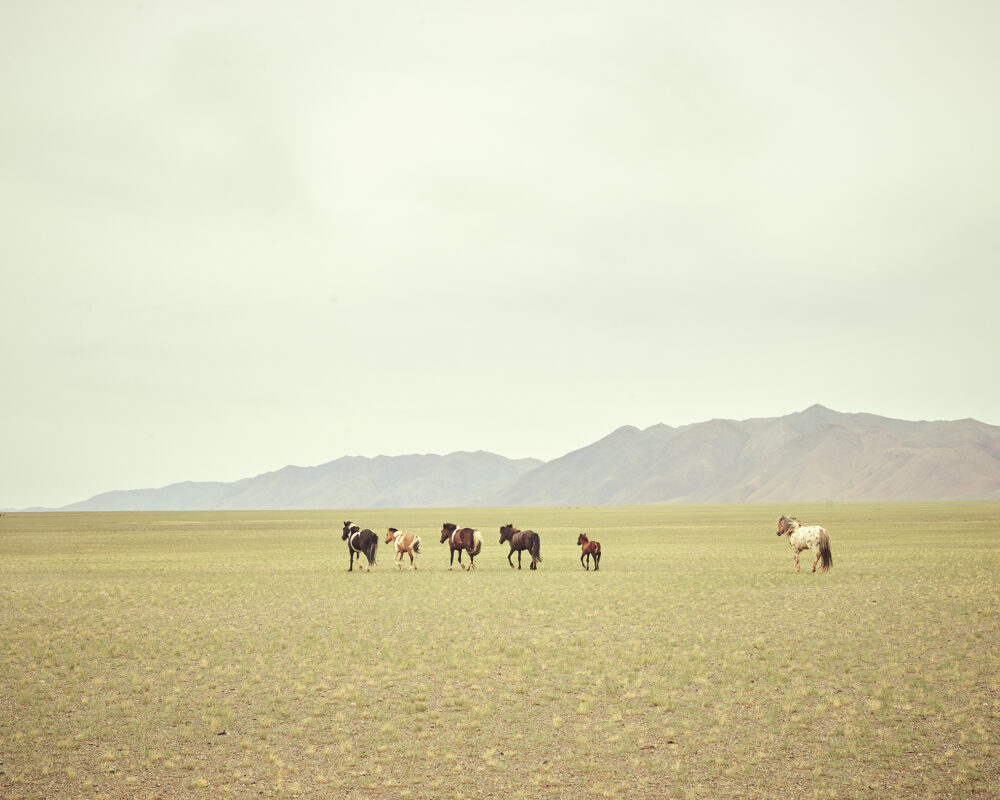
<point>597,560</point>
<point>519,559</point>
<point>816,560</point>
<point>472,561</point>
<point>585,566</point>
<point>351,554</point>
<point>795,555</point>
<point>508,558</point>
<point>452,562</point>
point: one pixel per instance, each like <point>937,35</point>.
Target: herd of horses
<point>364,541</point>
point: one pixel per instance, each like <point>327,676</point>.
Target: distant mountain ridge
<point>813,455</point>
<point>458,479</point>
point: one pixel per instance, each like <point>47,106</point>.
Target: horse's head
<point>448,529</point>
<point>787,524</point>
<point>390,535</point>
<point>507,533</point>
<point>347,529</point>
<point>582,539</point>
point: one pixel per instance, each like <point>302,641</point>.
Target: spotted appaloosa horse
<point>408,543</point>
<point>811,537</point>
<point>461,539</point>
<point>360,541</point>
<point>522,540</point>
<point>589,548</point>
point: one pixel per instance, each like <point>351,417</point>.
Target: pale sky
<point>240,235</point>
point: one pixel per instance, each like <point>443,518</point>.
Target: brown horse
<point>522,540</point>
<point>461,539</point>
<point>408,543</point>
<point>588,549</point>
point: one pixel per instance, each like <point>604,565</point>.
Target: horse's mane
<point>788,524</point>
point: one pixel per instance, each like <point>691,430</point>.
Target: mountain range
<point>813,455</point>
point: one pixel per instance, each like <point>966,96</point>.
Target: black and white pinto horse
<point>360,540</point>
<point>807,537</point>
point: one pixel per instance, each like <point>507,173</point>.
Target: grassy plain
<point>210,655</point>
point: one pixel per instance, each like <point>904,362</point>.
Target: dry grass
<point>215,655</point>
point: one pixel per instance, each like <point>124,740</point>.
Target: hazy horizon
<point>305,468</point>
<point>237,236</point>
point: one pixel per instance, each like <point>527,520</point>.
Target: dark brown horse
<point>522,540</point>
<point>588,549</point>
<point>360,541</point>
<point>461,539</point>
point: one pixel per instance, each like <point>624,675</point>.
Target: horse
<point>360,541</point>
<point>588,549</point>
<point>522,540</point>
<point>461,539</point>
<point>801,537</point>
<point>408,543</point>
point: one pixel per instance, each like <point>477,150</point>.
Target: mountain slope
<point>349,482</point>
<point>816,454</point>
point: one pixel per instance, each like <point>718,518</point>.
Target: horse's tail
<point>824,551</point>
<point>536,548</point>
<point>477,543</point>
<point>372,550</point>
<point>416,544</point>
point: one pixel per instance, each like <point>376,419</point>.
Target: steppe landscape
<point>231,654</point>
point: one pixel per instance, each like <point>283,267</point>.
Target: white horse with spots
<point>808,537</point>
